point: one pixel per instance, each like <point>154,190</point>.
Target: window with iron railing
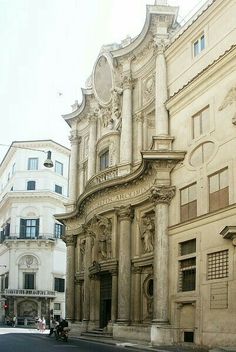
<point>187,265</point>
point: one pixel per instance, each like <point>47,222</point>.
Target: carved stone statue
<point>148,234</point>
<point>115,99</point>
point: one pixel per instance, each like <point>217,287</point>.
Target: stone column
<point>137,295</point>
<point>74,162</point>
<point>139,119</point>
<point>92,146</point>
<point>125,214</point>
<point>114,296</point>
<point>161,196</point>
<point>87,263</point>
<point>161,94</point>
<point>77,300</point>
<point>126,131</point>
<point>70,277</point>
<point>145,132</point>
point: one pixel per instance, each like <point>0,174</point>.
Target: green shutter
<point>37,228</point>
<point>22,228</point>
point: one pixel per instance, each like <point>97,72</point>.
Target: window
<point>58,168</point>
<point>33,164</point>
<point>201,122</point>
<point>57,306</point>
<point>104,160</point>
<point>59,284</point>
<point>58,230</point>
<point>31,185</point>
<point>29,228</point>
<point>29,281</point>
<point>199,45</point>
<point>58,189</point>
<point>188,202</point>
<point>187,266</point>
<point>217,265</point>
<point>219,190</point>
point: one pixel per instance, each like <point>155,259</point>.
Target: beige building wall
<point>150,225</point>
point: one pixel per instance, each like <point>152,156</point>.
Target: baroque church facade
<point>150,225</point>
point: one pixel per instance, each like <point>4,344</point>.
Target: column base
<point>84,327</point>
<point>162,142</point>
<point>161,334</point>
<point>122,322</point>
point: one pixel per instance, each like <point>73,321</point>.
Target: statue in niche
<point>82,251</point>
<point>148,234</point>
<point>104,237</point>
<point>115,98</point>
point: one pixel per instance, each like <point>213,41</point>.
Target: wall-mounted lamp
<point>47,163</point>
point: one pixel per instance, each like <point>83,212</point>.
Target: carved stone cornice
<point>161,194</point>
<point>125,212</point>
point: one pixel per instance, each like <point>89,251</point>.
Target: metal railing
<point>28,293</point>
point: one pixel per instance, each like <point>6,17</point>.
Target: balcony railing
<point>108,174</point>
<point>28,293</point>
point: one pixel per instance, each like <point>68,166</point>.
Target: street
<point>30,340</point>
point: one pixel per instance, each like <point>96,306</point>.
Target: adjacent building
<point>32,253</point>
<point>151,220</point>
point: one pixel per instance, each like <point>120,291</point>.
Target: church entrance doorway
<point>105,299</point>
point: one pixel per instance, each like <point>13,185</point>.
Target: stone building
<point>32,254</point>
<point>151,225</point>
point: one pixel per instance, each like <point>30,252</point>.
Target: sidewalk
<point>142,346</point>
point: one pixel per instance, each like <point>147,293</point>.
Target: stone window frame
<point>187,264</point>
<point>199,44</point>
<point>104,152</point>
<point>192,205</point>
<point>33,164</point>
<point>31,185</point>
<point>203,130</point>
<point>222,195</point>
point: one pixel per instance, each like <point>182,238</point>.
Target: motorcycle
<point>63,334</point>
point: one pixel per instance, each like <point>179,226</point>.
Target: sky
<point>48,49</point>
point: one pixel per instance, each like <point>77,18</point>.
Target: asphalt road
<point>26,340</point>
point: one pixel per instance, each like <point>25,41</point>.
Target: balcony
<point>106,175</point>
<point>28,293</point>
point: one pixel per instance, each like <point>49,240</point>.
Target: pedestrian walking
<point>14,321</point>
<point>52,325</point>
<point>43,324</point>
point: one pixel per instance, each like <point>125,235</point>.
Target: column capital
<point>162,194</point>
<point>125,212</point>
<point>139,117</point>
<point>74,138</point>
<point>127,81</point>
<point>92,117</point>
<point>136,269</point>
<point>69,240</point>
<point>159,44</point>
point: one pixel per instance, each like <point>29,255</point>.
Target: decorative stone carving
<point>161,194</point>
<point>147,235</point>
<point>127,82</point>
<point>125,212</point>
<point>28,261</point>
<point>69,240</point>
<point>82,251</point>
<point>115,102</point>
<point>148,89</point>
<point>74,138</point>
<point>160,44</point>
<point>104,228</point>
<point>229,99</point>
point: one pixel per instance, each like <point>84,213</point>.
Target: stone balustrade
<point>108,174</point>
<point>28,293</point>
